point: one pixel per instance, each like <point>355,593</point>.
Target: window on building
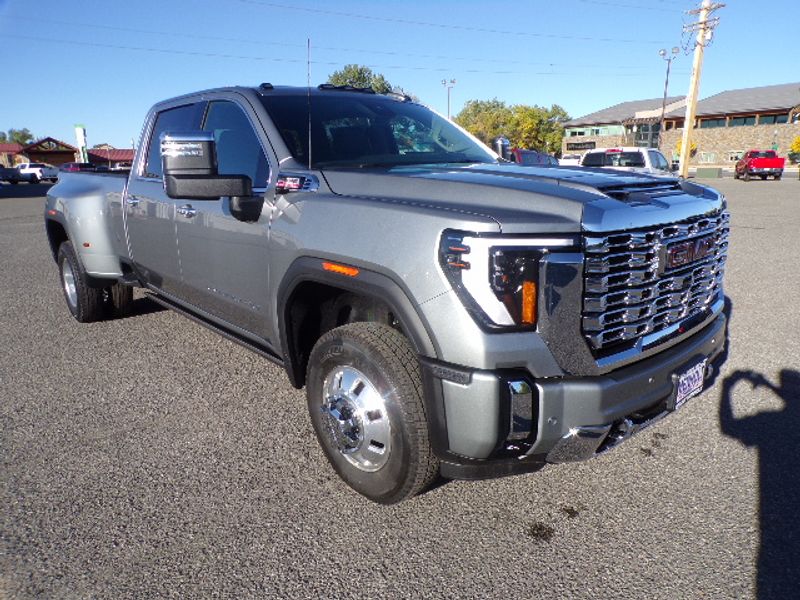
<point>739,121</point>
<point>772,119</point>
<point>595,132</point>
<point>711,123</point>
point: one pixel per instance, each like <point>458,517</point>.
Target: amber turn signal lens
<point>529,302</point>
<point>340,269</point>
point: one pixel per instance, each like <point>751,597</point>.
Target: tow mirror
<point>189,163</point>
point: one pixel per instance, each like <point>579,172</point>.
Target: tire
<point>84,302</point>
<point>778,177</point>
<point>14,182</point>
<point>763,177</point>
<point>364,394</point>
<point>746,175</point>
<point>34,179</point>
<point>735,174</point>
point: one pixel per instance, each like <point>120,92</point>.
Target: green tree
<point>485,119</point>
<point>533,127</point>
<point>360,76</point>
<point>20,136</point>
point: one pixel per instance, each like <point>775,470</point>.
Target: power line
<point>504,61</point>
<point>629,6</point>
<point>299,60</point>
<point>336,13</point>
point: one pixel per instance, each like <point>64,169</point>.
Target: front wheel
<point>34,179</point>
<point>364,393</point>
<point>746,176</point>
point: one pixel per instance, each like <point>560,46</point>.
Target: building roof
<point>49,144</point>
<point>620,112</point>
<point>784,96</point>
<point>10,148</point>
<point>114,155</point>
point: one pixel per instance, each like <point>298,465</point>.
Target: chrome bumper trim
<point>580,443</point>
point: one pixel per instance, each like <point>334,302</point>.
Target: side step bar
<point>238,339</point>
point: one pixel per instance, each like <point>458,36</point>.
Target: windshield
<point>363,130</point>
<point>763,154</point>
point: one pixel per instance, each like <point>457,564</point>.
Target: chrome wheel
<point>68,280</point>
<point>356,419</point>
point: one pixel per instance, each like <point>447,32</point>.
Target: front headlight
<point>497,277</point>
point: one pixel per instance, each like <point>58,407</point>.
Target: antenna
<point>308,95</point>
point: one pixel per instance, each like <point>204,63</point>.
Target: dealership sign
<point>581,145</point>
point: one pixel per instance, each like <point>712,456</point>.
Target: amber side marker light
<point>340,269</point>
<point>529,302</point>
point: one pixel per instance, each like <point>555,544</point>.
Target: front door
<point>224,261</point>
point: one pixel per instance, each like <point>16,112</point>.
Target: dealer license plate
<point>690,383</point>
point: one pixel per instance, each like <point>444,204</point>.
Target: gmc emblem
<point>684,253</point>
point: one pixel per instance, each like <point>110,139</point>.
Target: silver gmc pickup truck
<point>448,312</point>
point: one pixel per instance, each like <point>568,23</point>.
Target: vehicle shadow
<point>143,306</point>
<point>775,435</point>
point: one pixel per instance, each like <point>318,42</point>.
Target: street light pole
<point>449,85</point>
<point>663,54</point>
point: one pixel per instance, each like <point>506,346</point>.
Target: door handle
<point>187,211</point>
<point>133,201</point>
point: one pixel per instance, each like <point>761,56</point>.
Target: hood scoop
<point>642,193</point>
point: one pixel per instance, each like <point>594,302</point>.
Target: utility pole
<point>705,31</point>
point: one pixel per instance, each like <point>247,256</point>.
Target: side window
<point>657,161</point>
<point>238,149</point>
<point>181,118</point>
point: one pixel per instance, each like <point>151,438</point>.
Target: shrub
<point>692,148</point>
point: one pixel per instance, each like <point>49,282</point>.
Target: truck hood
<point>533,199</point>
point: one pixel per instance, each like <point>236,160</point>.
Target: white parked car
<point>628,158</point>
<point>39,171</point>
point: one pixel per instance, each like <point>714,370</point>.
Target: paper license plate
<point>690,383</point>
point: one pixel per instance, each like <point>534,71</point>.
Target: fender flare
<point>368,283</point>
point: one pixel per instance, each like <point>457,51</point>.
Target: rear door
<point>149,212</point>
<point>224,261</point>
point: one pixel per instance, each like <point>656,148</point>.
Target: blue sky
<point>104,63</point>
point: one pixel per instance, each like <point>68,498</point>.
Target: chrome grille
<point>630,291</point>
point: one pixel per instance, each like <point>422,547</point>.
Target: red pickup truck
<point>759,162</point>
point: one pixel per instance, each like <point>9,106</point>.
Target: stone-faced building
<point>733,122</point>
<point>635,123</point>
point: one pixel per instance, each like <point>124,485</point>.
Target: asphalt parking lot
<point>148,457</point>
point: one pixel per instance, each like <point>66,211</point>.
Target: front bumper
<point>572,418</point>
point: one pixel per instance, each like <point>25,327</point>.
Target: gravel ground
<point>150,458</point>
